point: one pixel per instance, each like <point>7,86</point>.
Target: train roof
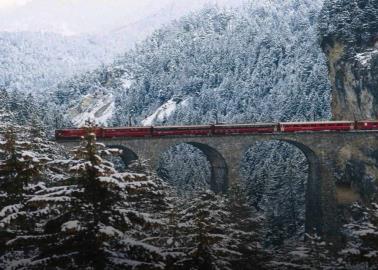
<point>316,122</point>
<point>246,125</point>
<point>132,127</point>
<point>191,126</point>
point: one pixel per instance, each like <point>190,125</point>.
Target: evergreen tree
<point>361,233</point>
<point>6,117</point>
<point>20,170</point>
<point>313,253</point>
<point>215,232</point>
<point>203,219</point>
<point>91,219</point>
<point>18,167</point>
<point>245,231</point>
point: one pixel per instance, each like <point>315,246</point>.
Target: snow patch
<point>110,231</point>
<point>366,57</point>
<point>10,209</point>
<point>73,225</point>
<point>164,111</point>
<point>98,107</point>
<point>350,251</point>
<point>126,83</point>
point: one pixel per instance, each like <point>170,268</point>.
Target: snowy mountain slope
<point>261,62</point>
<point>34,62</point>
<point>258,63</point>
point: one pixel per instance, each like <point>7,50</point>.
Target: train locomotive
<point>219,129</point>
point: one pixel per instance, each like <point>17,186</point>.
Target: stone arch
<point>127,156</point>
<point>314,217</point>
<point>219,169</point>
<point>218,165</point>
<point>313,197</point>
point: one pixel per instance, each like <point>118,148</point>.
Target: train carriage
<point>74,133</point>
<point>317,126</point>
<point>245,129</point>
<point>204,130</point>
<point>367,125</point>
<point>127,132</point>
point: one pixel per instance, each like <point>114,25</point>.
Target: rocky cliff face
<point>349,38</point>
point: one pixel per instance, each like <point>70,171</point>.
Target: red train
<point>214,130</point>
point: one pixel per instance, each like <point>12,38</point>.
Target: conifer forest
<point>85,65</point>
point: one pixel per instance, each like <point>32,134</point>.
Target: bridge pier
<point>330,225</point>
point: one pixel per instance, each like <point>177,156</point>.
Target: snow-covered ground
<point>98,107</point>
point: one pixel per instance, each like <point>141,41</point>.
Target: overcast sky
<point>72,17</point>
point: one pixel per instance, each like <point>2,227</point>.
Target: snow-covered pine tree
<point>6,117</point>
<point>361,233</point>
<point>150,202</point>
<point>244,230</point>
<point>20,169</point>
<point>173,239</point>
<point>205,231</point>
<point>155,198</point>
<point>314,253</point>
<point>91,218</point>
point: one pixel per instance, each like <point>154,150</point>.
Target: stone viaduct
<point>326,152</point>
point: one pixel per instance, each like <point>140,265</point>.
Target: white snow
<point>111,181</point>
<point>163,112</point>
<point>371,254</point>
<point>300,252</point>
<point>126,83</point>
<point>98,107</point>
<point>110,231</point>
<point>30,155</point>
<point>289,265</point>
<point>9,218</point>
<point>366,57</point>
<point>10,209</point>
<point>132,242</point>
<point>365,232</point>
<point>352,251</point>
<point>72,225</point>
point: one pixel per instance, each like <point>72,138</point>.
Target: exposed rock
<point>349,37</point>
